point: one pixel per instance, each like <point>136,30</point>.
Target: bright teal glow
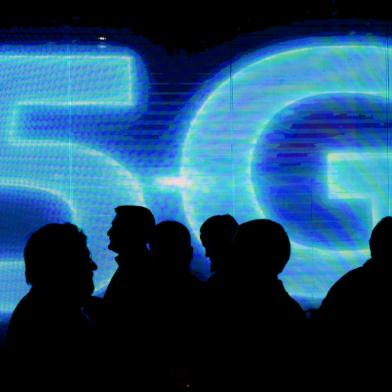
<point>88,182</point>
<point>218,154</point>
<point>361,175</point>
<point>296,132</point>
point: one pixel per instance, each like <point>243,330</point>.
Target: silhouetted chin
<point>112,247</point>
<point>85,294</point>
<point>92,288</point>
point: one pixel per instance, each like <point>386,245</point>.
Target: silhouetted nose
<point>94,266</point>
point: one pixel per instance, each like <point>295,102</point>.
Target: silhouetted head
<point>171,247</point>
<point>57,260</point>
<point>131,229</point>
<point>381,240</point>
<point>216,234</point>
<point>260,247</point>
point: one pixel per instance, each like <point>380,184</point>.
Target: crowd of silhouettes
<point>160,328</point>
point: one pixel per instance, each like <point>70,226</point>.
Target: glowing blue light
<point>361,175</point>
<point>176,182</point>
<point>218,153</point>
<point>53,97</point>
<point>89,182</point>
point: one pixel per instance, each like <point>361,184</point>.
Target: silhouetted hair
<point>219,227</point>
<point>261,245</point>
<point>52,249</point>
<point>141,215</point>
<point>173,232</point>
<point>381,239</point>
<point>172,240</point>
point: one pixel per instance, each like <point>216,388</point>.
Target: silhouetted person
<point>360,297</point>
<point>172,251</point>
<point>48,329</point>
<point>216,234</point>
<point>125,322</point>
<point>260,251</point>
<point>129,237</point>
<point>260,327</point>
<point>354,318</point>
<point>178,303</point>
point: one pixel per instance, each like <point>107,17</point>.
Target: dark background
<point>188,26</point>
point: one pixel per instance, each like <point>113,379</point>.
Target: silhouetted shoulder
<point>350,280</point>
<point>358,297</point>
<point>51,334</point>
<point>19,327</point>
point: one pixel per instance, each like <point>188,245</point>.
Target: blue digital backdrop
<point>295,130</point>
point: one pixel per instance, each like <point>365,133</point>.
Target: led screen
<point>296,131</point>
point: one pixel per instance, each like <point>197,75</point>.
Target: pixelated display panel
<point>297,132</point>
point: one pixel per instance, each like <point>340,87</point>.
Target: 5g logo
<point>224,141</point>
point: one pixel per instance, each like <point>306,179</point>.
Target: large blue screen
<point>296,131</point>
